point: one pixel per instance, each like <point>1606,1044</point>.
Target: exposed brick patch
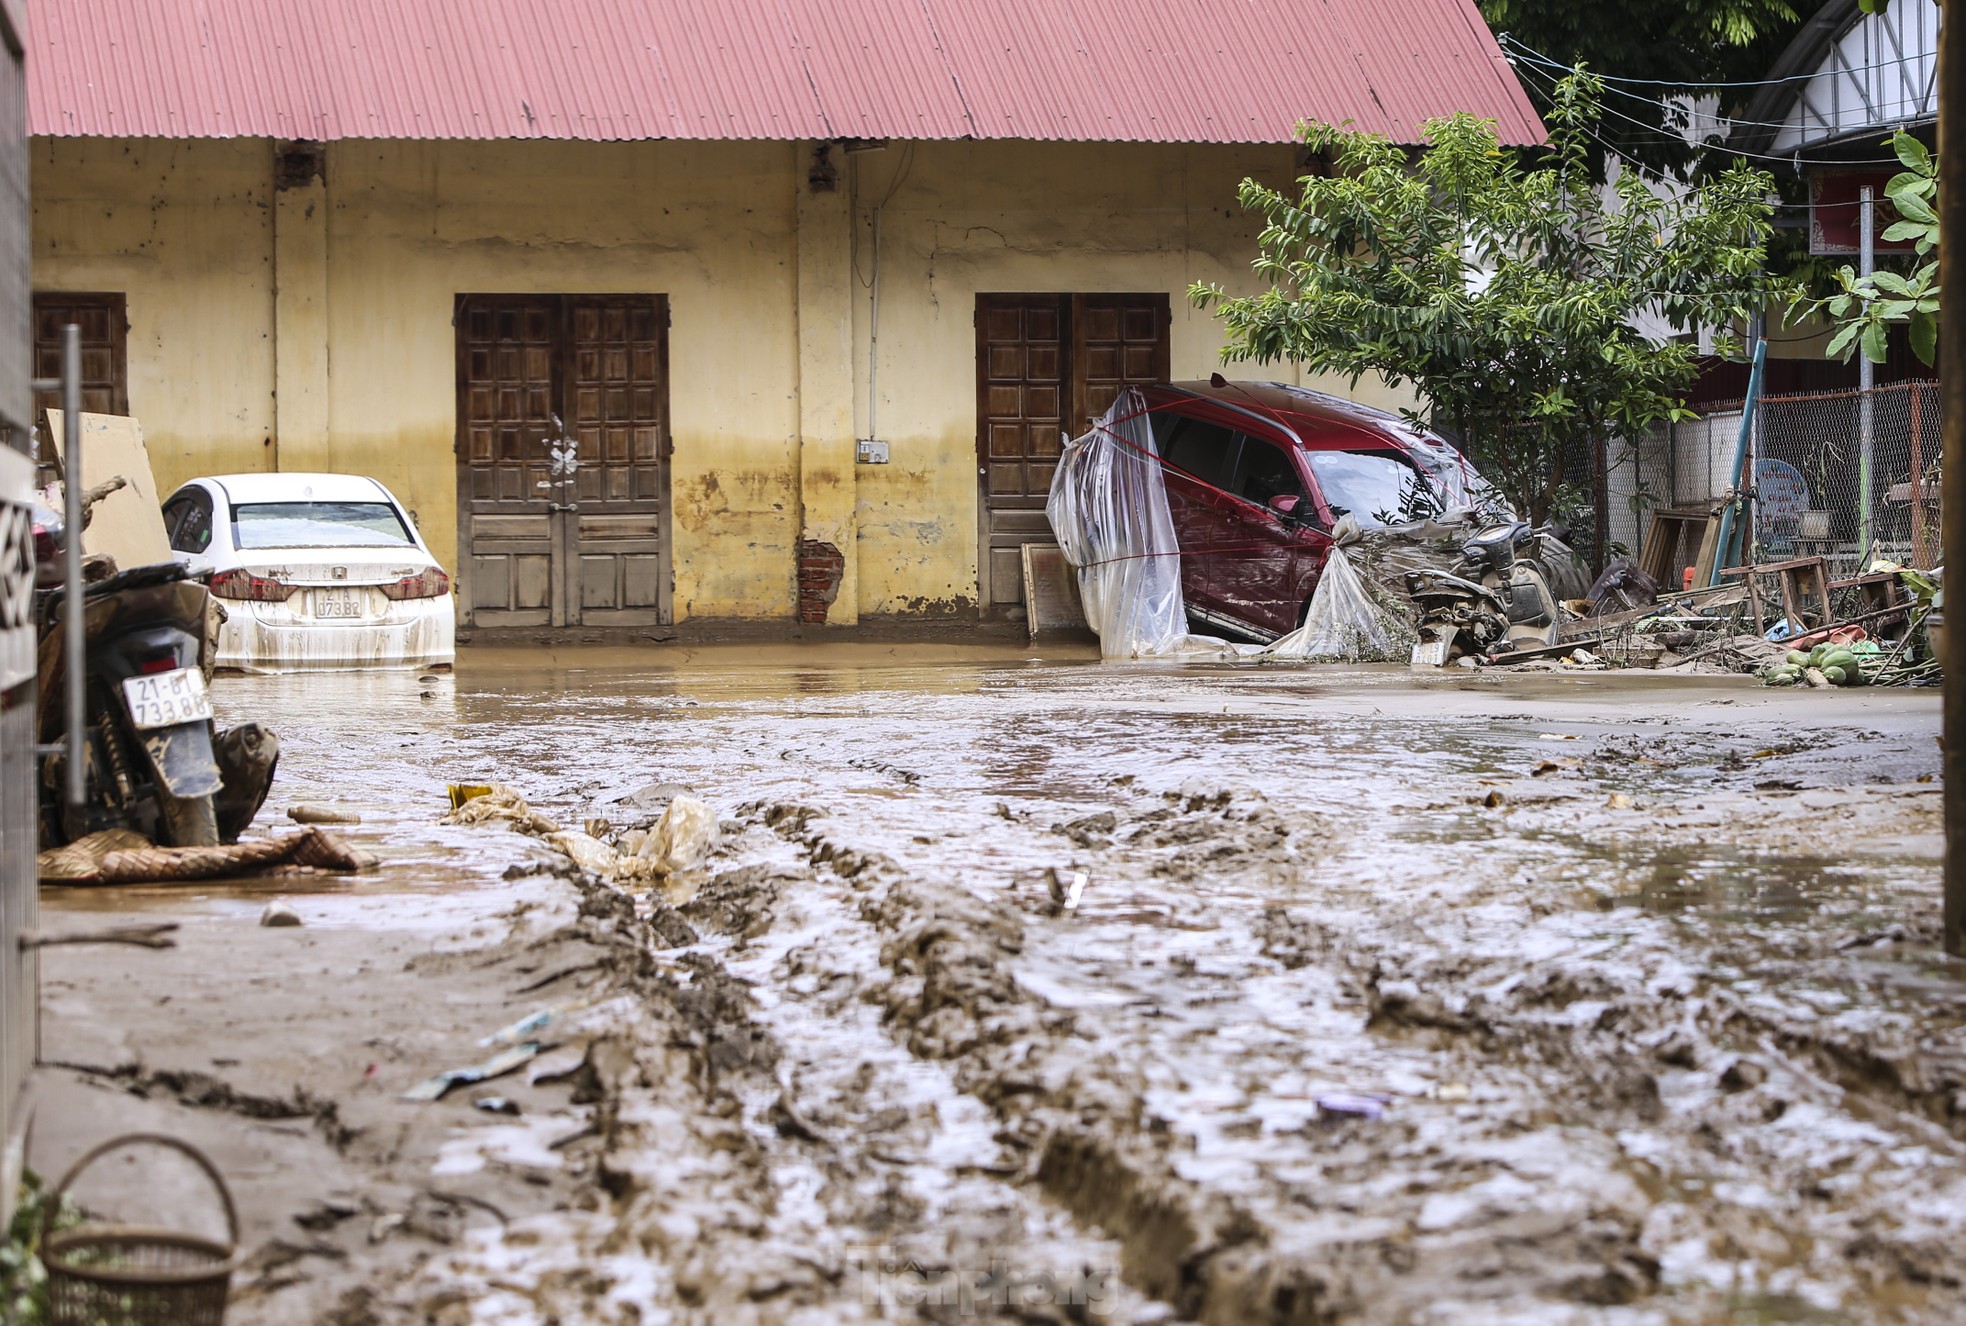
<point>820,569</point>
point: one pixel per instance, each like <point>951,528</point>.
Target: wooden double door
<point>1047,365</point>
<point>562,460</point>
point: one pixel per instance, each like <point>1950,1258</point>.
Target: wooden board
<point>1703,569</point>
<point>129,523</point>
<point>1671,544</point>
<point>1051,592</point>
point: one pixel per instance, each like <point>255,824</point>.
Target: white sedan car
<point>314,571</point>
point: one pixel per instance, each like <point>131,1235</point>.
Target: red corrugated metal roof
<point>1195,71</point>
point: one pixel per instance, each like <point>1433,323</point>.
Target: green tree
<point>1865,307</point>
<point>1680,46</point>
<point>1504,289</point>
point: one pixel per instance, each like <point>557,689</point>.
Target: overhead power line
<point>1667,135</point>
<point>1531,53</point>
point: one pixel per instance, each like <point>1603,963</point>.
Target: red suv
<point>1259,473</point>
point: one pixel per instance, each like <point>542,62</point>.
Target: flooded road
<point>1061,990</point>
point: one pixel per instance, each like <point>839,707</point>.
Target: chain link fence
<point>1841,475</point>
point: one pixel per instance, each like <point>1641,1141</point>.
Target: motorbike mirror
<point>1285,504</point>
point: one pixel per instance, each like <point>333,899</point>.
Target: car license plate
<point>166,699</point>
<point>336,603</point>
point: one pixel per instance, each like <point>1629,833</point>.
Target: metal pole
<point>1723,545</point>
<point>1751,495</point>
<point>1952,425</point>
<point>1866,380</point>
<point>1919,536</point>
<point>74,660</point>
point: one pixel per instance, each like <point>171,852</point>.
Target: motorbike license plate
<point>336,603</point>
<point>166,699</point>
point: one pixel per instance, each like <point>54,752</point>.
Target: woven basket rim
<point>226,1256</point>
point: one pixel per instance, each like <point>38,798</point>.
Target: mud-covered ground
<point>1065,991</point>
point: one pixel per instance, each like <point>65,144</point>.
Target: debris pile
<point>1782,621</point>
<point>653,855</point>
<point>1470,584</point>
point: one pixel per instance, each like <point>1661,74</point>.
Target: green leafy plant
<point>23,1282</point>
<point>1506,287</point>
<point>1865,307</point>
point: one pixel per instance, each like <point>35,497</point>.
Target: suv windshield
<point>318,525</point>
<point>1377,488</point>
<point>1382,488</point>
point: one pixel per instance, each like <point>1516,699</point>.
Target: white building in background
<point>1868,75</point>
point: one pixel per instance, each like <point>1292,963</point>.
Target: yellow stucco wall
<point>970,218</point>
<point>710,225</point>
<point>190,232</point>
<point>184,229</point>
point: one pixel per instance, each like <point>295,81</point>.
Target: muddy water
<point>1356,1015</point>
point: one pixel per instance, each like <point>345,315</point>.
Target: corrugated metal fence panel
<point>1200,71</point>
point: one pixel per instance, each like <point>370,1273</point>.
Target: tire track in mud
<point>1072,1113</point>
<point>1622,1073</point>
<point>1581,1124</point>
<point>762,1149</point>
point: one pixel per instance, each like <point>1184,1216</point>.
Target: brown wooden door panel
<point>618,416</point>
<point>103,322</point>
<point>506,393</point>
<point>1119,341</point>
<point>590,491</point>
<point>1046,364</point>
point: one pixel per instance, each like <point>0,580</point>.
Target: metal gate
<point>562,459</point>
<point>1046,364</point>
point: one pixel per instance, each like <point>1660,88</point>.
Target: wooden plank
<point>1713,596</point>
<point>1709,551</point>
<point>129,523</point>
<point>1051,591</point>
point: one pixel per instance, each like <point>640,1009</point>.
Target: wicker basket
<point>128,1275</point>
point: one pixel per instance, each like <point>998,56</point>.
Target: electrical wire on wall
<point>871,283</point>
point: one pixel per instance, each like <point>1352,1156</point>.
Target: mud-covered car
<point>314,571</point>
<point>1258,475</point>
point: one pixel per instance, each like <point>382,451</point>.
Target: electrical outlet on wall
<point>870,451</point>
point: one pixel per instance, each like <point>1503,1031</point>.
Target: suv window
<point>1375,487</point>
<point>1265,472</point>
<point>1206,451</point>
<point>189,520</point>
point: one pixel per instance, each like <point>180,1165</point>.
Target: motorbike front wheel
<point>188,821</point>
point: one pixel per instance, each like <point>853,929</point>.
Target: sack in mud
<point>683,836</point>
<point>587,852</point>
<point>495,802</point>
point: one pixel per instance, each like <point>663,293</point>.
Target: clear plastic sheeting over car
<point>1108,507</point>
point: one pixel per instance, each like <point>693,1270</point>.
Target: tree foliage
<point>1865,307</point>
<point>1505,290</point>
<point>1684,46</point>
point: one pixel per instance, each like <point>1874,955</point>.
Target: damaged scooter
<point>1495,598</point>
<point>152,761</point>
